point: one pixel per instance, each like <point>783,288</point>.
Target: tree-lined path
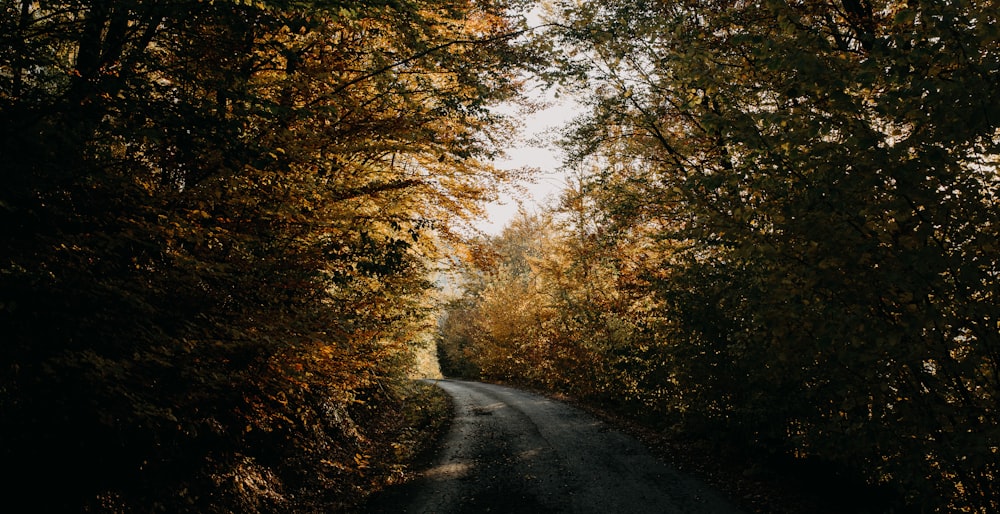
<point>223,226</point>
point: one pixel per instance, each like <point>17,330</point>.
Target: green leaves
<point>829,214</point>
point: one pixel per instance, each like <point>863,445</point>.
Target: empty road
<point>509,451</point>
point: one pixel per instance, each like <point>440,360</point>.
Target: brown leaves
<point>223,253</point>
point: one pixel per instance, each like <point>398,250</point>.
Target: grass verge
<point>406,440</point>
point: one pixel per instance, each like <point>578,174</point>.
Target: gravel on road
<point>510,451</point>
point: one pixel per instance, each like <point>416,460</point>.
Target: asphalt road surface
<point>509,451</point>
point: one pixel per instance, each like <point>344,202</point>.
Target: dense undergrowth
<point>780,235</point>
<point>755,479</point>
<point>218,232</point>
<point>401,438</point>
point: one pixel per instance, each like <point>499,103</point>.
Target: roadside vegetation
<point>221,223</point>
<point>401,439</point>
<point>780,237</point>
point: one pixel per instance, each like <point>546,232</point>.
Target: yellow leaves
<point>258,168</point>
<point>483,23</point>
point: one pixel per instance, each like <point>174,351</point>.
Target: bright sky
<point>549,181</point>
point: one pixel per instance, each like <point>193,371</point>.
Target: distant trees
<point>792,212</point>
<point>217,219</point>
<point>550,304</point>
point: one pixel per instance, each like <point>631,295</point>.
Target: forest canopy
<point>783,234</point>
<point>219,224</point>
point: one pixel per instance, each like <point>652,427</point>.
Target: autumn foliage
<point>783,236</point>
<point>218,222</point>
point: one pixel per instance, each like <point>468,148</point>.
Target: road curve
<point>509,451</point>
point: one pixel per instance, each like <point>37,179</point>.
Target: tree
<point>502,310</point>
<point>218,218</point>
<point>826,175</point>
